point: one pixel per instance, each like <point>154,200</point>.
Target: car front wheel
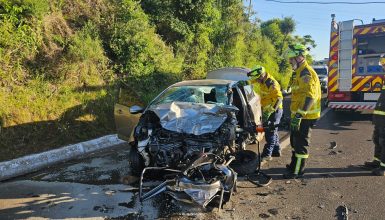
<point>246,162</point>
<point>136,162</point>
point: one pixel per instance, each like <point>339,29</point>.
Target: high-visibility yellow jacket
<point>306,84</point>
<point>269,90</point>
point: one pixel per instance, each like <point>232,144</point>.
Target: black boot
<point>380,171</point>
<point>290,167</point>
<point>299,167</point>
<point>372,164</point>
<point>276,153</point>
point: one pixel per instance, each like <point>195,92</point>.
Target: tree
<point>271,29</point>
<point>279,31</point>
<point>287,26</point>
<point>305,40</point>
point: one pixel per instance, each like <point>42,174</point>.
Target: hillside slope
<point>62,61</point>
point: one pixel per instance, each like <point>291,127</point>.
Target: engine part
<point>172,149</point>
<point>207,179</point>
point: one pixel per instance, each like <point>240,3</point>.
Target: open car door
<point>254,105</point>
<point>252,98</point>
<point>126,113</point>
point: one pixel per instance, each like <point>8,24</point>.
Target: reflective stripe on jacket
<point>306,84</point>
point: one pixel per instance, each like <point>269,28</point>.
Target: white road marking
<point>324,112</point>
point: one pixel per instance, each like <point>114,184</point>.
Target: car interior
<point>237,102</point>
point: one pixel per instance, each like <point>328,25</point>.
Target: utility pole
<point>248,15</point>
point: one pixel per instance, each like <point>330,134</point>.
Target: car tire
<point>245,162</point>
<point>136,162</point>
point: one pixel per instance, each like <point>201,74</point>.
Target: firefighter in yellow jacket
<point>271,101</point>
<point>378,163</point>
<point>305,109</point>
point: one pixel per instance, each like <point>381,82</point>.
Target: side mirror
<point>136,109</point>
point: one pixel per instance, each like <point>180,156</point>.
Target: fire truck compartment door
<point>345,55</point>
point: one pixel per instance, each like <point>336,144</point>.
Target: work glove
<point>265,116</point>
<point>266,113</point>
<point>296,122</point>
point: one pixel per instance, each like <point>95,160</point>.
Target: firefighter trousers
<point>379,142</point>
<point>271,135</point>
<point>300,140</point>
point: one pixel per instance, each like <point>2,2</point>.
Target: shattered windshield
<point>208,94</point>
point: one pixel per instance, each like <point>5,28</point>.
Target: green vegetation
<point>279,31</point>
<point>62,61</point>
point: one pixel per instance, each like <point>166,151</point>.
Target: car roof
<point>229,73</point>
<point>203,82</point>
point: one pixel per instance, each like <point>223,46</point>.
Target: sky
<point>314,19</point>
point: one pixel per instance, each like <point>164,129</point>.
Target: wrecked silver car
<point>188,120</point>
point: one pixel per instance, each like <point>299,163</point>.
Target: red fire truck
<point>355,78</point>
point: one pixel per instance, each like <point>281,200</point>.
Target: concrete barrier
<point>34,162</point>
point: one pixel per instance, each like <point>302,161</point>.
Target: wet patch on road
<point>59,200</point>
<point>108,168</point>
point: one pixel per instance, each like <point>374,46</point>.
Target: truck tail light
<point>339,96</point>
<point>335,57</point>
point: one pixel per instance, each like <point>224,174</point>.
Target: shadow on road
<point>55,200</point>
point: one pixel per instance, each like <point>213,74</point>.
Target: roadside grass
<point>39,118</point>
<point>56,84</point>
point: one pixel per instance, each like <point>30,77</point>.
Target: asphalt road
<point>334,178</point>
<point>91,188</point>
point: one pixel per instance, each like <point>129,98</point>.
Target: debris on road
<point>273,211</point>
<point>342,212</point>
<point>262,194</point>
<point>333,152</point>
<point>264,215</point>
<point>333,145</point>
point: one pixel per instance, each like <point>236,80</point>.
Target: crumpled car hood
<point>192,118</point>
